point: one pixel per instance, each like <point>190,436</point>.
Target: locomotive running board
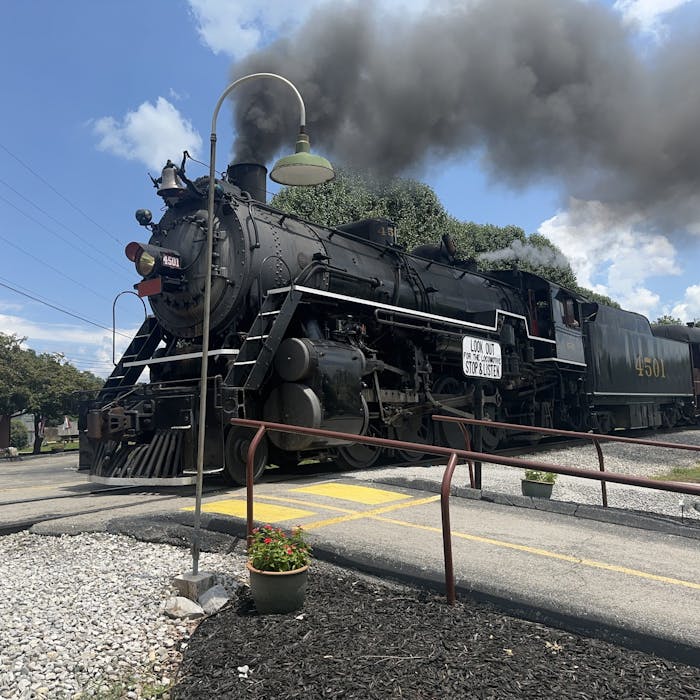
<point>429,317</point>
<point>417,314</point>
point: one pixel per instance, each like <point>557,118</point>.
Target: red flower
<point>289,550</point>
<point>267,540</point>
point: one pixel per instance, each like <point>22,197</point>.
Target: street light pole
<point>299,169</point>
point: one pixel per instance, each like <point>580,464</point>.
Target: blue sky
<point>98,94</point>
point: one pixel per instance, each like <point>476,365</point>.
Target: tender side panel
<point>625,359</point>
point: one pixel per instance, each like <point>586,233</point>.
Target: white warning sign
<point>481,358</point>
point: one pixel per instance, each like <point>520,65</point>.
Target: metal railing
<point>595,438</point>
<point>452,454</point>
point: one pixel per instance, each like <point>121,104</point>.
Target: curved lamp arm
<point>245,79</point>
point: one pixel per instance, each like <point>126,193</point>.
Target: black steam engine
<point>342,328</point>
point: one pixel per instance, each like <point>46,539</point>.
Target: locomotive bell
<point>170,183</point>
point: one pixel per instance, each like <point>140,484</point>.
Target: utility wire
<point>104,261</point>
<point>63,311</point>
<point>88,361</point>
<point>51,267</point>
<point>64,198</point>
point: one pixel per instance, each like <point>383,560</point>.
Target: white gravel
<point>82,616</point>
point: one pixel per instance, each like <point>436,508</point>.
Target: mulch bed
<point>359,638</point>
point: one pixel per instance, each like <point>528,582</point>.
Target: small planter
<point>536,489</point>
<point>278,591</point>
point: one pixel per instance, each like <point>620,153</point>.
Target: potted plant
<point>538,484</point>
<point>278,565</point>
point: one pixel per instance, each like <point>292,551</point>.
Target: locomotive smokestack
<point>250,177</point>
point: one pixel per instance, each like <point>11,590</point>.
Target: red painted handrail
<point>452,455</point>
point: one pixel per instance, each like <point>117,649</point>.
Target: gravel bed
<point>82,616</point>
<point>359,638</point>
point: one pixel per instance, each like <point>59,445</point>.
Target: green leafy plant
<point>544,477</point>
<point>273,550</point>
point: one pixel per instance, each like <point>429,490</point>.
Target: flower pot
<point>278,591</point>
<point>536,489</point>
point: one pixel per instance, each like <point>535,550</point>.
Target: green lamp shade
<point>303,168</point>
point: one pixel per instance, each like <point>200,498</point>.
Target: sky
<point>98,95</point>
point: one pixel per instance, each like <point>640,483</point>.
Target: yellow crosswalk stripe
<point>369,513</point>
<point>300,502</point>
<point>263,512</point>
<point>356,494</point>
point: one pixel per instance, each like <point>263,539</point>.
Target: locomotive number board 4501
<point>481,358</point>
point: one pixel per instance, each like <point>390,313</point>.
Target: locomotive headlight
<point>150,259</point>
<point>145,264</point>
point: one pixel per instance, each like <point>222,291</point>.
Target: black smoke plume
<point>541,89</point>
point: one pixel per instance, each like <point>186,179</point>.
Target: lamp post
<point>302,168</point>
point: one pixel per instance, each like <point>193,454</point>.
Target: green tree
<point>668,320</point>
<point>19,437</point>
<point>14,369</point>
<point>421,218</point>
<point>41,384</point>
<point>411,205</point>
<point>596,297</point>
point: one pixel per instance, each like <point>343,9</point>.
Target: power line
<point>51,267</point>
<point>63,311</point>
<point>107,260</point>
<point>88,361</point>
<point>64,198</point>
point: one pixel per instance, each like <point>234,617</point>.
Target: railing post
<point>250,461</point>
<point>601,465</point>
<point>478,432</point>
<point>446,529</point>
<point>468,444</point>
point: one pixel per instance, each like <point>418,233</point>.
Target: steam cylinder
<point>321,388</point>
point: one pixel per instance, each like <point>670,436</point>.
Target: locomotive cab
<point>567,326</point>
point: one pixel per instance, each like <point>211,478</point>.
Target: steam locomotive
<point>342,328</point>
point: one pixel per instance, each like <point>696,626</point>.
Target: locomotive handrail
<point>452,454</point>
<point>595,438</point>
<point>114,320</point>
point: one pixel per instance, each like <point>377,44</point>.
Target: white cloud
<point>237,28</point>
<point>10,306</point>
<point>689,308</point>
<point>611,252</point>
<point>88,348</point>
<point>647,14</point>
<point>152,134</point>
